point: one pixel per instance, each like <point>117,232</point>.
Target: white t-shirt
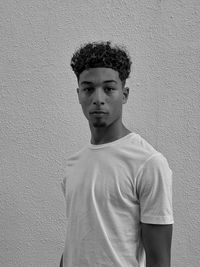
<point>109,189</point>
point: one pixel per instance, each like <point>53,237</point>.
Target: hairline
<point>123,81</point>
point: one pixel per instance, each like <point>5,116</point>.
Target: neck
<point>106,135</point>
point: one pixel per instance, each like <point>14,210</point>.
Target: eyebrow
<point>108,81</point>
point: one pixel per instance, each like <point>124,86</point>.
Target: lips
<point>98,112</point>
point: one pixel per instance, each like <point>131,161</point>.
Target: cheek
<point>84,101</point>
<point>117,103</point>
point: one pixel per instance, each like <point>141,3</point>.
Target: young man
<point>118,188</point>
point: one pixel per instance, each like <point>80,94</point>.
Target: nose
<point>98,97</point>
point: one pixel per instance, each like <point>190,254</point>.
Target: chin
<point>99,124</point>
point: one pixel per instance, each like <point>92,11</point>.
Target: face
<point>101,89</point>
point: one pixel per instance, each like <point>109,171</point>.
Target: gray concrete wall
<point>42,122</point>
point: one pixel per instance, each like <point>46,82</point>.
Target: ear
<point>125,94</point>
<point>78,91</point>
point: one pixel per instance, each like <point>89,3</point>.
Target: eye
<point>109,89</point>
<point>88,89</point>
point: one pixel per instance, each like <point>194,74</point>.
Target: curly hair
<point>102,54</point>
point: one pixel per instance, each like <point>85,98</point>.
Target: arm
<point>157,244</point>
<point>61,261</point>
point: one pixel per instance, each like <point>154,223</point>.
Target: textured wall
<point>42,122</point>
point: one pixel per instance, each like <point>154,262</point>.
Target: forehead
<point>99,75</point>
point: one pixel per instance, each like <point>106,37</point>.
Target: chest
<point>102,181</point>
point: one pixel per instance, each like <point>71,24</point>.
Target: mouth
<point>98,114</point>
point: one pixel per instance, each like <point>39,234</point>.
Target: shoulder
<point>154,174</point>
<point>156,164</point>
<point>142,147</point>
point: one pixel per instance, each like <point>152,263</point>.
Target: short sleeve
<point>154,189</point>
